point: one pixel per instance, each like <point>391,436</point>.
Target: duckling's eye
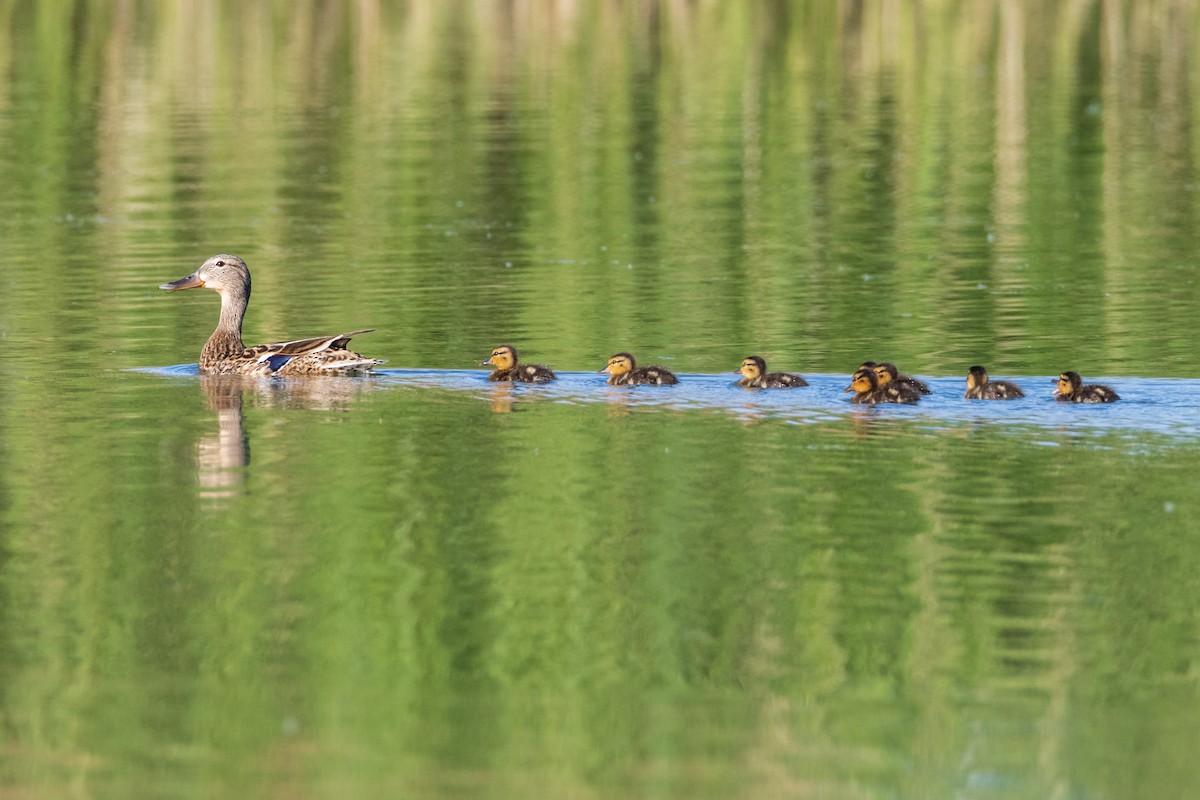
<point>220,263</point>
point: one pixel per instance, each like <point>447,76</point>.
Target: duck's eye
<point>220,263</point>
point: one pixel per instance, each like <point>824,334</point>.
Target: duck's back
<point>912,385</point>
<point>1096,393</point>
<point>782,380</point>
<point>995,390</point>
<point>524,373</point>
<point>652,376</point>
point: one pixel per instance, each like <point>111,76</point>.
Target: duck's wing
<point>302,347</point>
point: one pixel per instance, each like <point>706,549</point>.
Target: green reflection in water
<point>356,588</point>
<point>538,594</point>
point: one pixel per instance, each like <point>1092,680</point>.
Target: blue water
<point>1150,409</point>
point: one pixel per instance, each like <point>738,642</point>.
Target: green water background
<point>367,589</point>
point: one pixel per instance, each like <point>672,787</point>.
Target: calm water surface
<point>419,584</point>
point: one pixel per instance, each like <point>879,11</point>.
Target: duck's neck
<point>226,340</point>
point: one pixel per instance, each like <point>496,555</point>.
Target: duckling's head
<point>620,364</point>
<point>752,367</point>
<point>976,377</point>
<point>1068,384</point>
<point>864,380</point>
<point>868,365</point>
<point>223,273</point>
<point>504,356</point>
<point>886,373</point>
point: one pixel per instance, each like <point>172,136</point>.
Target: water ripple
<point>1160,407</point>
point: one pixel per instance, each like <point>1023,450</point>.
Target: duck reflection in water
<point>223,457</point>
<point>501,396</point>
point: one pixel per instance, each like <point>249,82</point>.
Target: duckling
<point>1071,390</point>
<point>866,388</point>
<point>623,370</point>
<point>504,359</point>
<point>888,374</point>
<point>979,387</point>
<point>755,376</point>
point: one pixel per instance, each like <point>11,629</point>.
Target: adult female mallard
<point>623,370</point>
<point>504,359</point>
<point>224,353</point>
<point>888,376</point>
<point>980,387</point>
<point>1070,389</point>
<point>867,390</point>
<point>755,376</point>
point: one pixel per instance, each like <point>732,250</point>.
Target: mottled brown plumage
<point>623,370</point>
<point>980,387</point>
<point>1071,389</point>
<point>225,354</point>
<point>755,376</point>
<point>888,375</point>
<point>866,388</point>
<point>508,369</point>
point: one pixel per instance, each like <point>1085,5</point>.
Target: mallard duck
<point>890,376</point>
<point>224,353</point>
<point>755,376</point>
<point>866,388</point>
<point>980,387</point>
<point>1070,389</point>
<point>504,359</point>
<point>623,370</point>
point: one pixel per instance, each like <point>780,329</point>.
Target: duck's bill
<point>190,282</point>
<point>848,389</point>
<point>1056,391</point>
<point>485,363</point>
<point>599,371</point>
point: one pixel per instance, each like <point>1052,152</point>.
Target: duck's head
<point>503,357</point>
<point>1068,384</point>
<point>863,381</point>
<point>223,273</point>
<point>868,365</point>
<point>752,367</point>
<point>885,373</point>
<point>976,377</point>
<point>619,364</point>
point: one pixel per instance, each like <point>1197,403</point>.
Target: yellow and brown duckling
<point>888,375</point>
<point>623,370</point>
<point>507,368</point>
<point>755,376</point>
<point>980,387</point>
<point>867,390</point>
<point>1071,389</point>
<point>225,354</point>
